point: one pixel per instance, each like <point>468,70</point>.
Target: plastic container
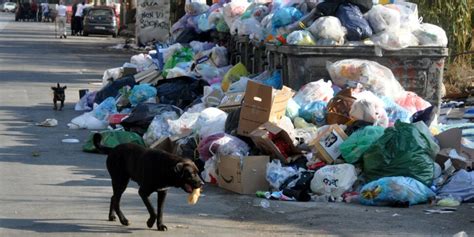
<point>418,69</point>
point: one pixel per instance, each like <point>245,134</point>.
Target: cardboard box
<point>165,144</point>
<point>262,104</point>
<point>231,101</point>
<point>260,137</point>
<point>452,139</point>
<point>243,175</point>
<point>328,142</point>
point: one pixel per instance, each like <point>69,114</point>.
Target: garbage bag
<point>371,75</point>
<point>403,150</point>
<point>211,121</point>
<point>412,102</point>
<point>352,19</point>
<point>334,180</point>
<point>383,18</point>
<point>395,191</point>
<point>112,139</point>
<point>395,40</point>
<point>233,10</point>
<point>142,61</point>
<point>313,91</point>
<point>329,28</point>
<point>143,114</point>
<point>329,8</point>
<point>141,93</point>
<point>87,121</point>
<point>221,144</point>
<point>394,111</point>
<point>112,89</point>
<point>431,35</point>
<point>459,186</point>
<point>314,112</point>
<point>292,109</point>
<point>180,91</point>
<point>252,28</point>
<point>233,75</point>
<point>179,56</point>
<point>104,109</point>
<point>239,86</point>
<point>187,147</point>
<point>159,127</point>
<point>274,80</point>
<point>277,174</point>
<point>285,16</point>
<point>219,56</point>
<point>369,108</point>
<point>300,37</point>
<point>364,5</point>
<point>358,142</point>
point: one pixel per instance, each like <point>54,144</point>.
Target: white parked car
<point>9,6</point>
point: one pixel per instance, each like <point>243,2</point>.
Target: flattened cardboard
<point>243,175</point>
<point>328,142</point>
<point>262,104</point>
<point>260,137</point>
<point>231,101</point>
<point>452,139</point>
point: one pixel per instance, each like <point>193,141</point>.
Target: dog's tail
<point>97,138</point>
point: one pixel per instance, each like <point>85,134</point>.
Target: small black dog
<point>153,170</point>
<point>59,95</point>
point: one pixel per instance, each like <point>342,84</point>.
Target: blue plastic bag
<point>285,16</point>
<point>357,26</point>
<point>275,80</point>
<point>395,191</point>
<point>394,111</point>
<point>292,109</point>
<point>141,93</point>
<point>314,112</point>
<point>104,109</point>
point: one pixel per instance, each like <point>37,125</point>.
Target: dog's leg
<point>161,201</point>
<point>62,105</point>
<point>55,104</point>
<point>145,197</point>
<point>119,187</point>
<point>112,216</point>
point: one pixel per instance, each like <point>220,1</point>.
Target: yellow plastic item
<point>194,196</point>
<point>233,75</point>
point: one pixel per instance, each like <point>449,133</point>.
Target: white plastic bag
<point>159,127</point>
<point>239,86</point>
<point>211,121</point>
<point>369,108</point>
<point>371,75</point>
<point>111,74</point>
<point>431,35</point>
<point>301,37</point>
<point>382,18</point>
<point>250,27</point>
<point>209,172</point>
<point>219,56</point>
<point>334,180</point>
<point>87,121</point>
<point>314,91</point>
<point>142,61</point>
<point>185,125</point>
<point>329,28</point>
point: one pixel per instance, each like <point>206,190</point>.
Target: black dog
<point>153,170</point>
<point>58,95</point>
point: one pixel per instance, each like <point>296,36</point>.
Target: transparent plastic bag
<point>104,109</point>
<point>431,35</point>
<point>221,144</point>
<point>239,86</point>
<point>285,16</point>
<point>194,8</point>
<point>329,28</point>
<point>314,112</point>
<point>233,75</point>
<point>395,112</point>
<point>159,127</point>
<point>371,75</point>
<point>334,180</point>
<point>358,142</point>
<point>141,93</point>
<point>277,174</point>
<point>211,121</point>
<point>395,191</point>
<point>383,18</point>
<point>395,40</point>
<point>219,56</point>
<point>412,102</point>
<point>87,121</point>
<point>292,109</point>
<point>300,37</point>
<point>251,27</point>
<point>314,91</point>
<point>142,61</point>
<point>184,125</point>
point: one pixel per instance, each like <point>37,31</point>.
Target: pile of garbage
<point>358,136</point>
<point>297,22</point>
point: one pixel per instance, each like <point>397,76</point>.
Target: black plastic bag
<point>141,116</point>
<point>329,8</point>
<point>427,116</point>
<point>357,26</point>
<point>112,89</point>
<point>364,5</point>
<point>180,91</point>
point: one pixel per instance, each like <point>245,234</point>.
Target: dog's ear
<point>179,167</point>
<point>64,87</point>
<point>53,88</point>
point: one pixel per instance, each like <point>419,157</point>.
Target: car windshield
<point>100,12</point>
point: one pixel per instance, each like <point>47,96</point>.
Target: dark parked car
<point>100,20</point>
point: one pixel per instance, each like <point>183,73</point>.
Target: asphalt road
<point>50,188</point>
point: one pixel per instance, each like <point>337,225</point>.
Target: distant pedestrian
<point>78,17</point>
<point>73,22</point>
<point>45,10</point>
<point>34,10</point>
<point>61,19</point>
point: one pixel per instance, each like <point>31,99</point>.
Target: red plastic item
<point>116,118</point>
